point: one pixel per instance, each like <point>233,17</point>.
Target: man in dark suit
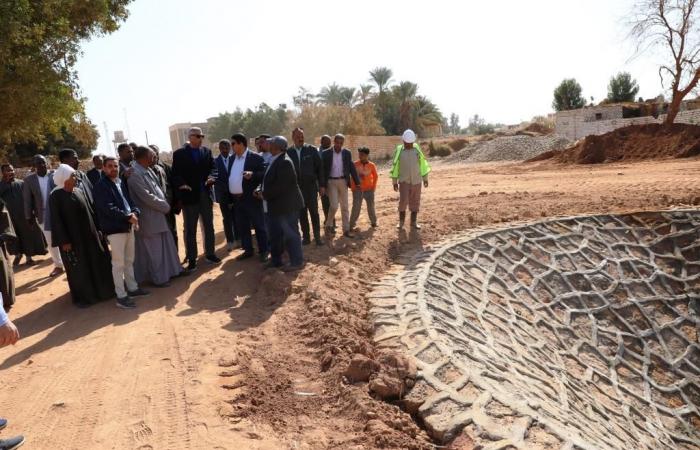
<point>338,167</point>
<point>309,170</point>
<point>96,173</point>
<point>194,173</point>
<point>284,200</point>
<point>223,167</point>
<point>247,170</point>
<point>70,157</point>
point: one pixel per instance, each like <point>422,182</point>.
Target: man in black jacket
<point>246,173</point>
<point>70,157</point>
<point>194,173</point>
<point>309,169</point>
<point>95,174</point>
<point>223,168</point>
<point>119,218</point>
<point>283,202</point>
<point>338,167</point>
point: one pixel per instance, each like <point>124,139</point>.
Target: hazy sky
<point>182,61</point>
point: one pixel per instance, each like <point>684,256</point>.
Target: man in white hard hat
<point>409,172</point>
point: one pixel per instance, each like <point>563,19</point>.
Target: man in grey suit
<point>156,255</point>
<point>35,192</point>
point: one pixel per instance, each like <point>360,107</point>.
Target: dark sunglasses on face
<point>200,136</point>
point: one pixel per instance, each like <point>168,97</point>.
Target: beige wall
<point>574,126</point>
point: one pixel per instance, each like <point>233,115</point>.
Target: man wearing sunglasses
<point>194,173</point>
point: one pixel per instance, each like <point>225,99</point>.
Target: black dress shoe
<point>244,255</point>
<point>192,266</point>
<point>213,259</point>
<point>264,257</point>
<point>306,241</point>
<point>319,242</point>
<point>11,443</point>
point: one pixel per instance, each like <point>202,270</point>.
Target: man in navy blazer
<point>223,164</point>
<point>246,174</point>
<point>284,201</point>
<point>194,173</point>
<point>118,217</point>
<point>338,167</point>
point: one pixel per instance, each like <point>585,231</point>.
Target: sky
<point>186,61</point>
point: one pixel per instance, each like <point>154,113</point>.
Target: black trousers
<point>249,212</point>
<point>172,224</point>
<point>227,214</point>
<point>310,209</point>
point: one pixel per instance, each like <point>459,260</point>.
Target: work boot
<point>402,219</point>
<point>414,221</point>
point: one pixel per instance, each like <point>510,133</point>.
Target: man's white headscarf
<point>61,174</point>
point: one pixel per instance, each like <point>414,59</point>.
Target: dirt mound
<point>651,141</point>
<point>538,128</point>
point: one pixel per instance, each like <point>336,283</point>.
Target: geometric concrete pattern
<point>570,333</point>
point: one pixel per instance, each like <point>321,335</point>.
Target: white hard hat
<point>409,136</point>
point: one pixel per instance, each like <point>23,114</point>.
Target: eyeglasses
<point>200,136</point>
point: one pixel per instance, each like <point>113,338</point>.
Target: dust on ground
<point>235,357</point>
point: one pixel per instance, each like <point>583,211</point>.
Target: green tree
<point>335,95</point>
<point>622,88</point>
<point>364,94</point>
<point>568,96</point>
<point>381,76</point>
<point>251,122</point>
<point>303,98</point>
<point>40,45</point>
<point>80,135</point>
<point>478,126</point>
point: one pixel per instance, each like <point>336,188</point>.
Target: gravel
<point>508,148</point>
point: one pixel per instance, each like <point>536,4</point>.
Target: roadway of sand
<point>234,357</point>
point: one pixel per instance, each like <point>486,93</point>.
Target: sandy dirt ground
<point>235,357</point>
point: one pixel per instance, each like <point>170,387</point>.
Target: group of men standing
<point>118,219</point>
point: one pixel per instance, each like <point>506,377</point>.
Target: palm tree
<point>381,77</point>
<point>335,95</point>
<point>427,114</point>
<point>405,93</point>
<point>364,93</point>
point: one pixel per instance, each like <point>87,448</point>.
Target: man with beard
<point>95,174</point>
<point>35,192</point>
<point>309,170</point>
<point>30,240</point>
<point>156,255</point>
<point>69,157</point>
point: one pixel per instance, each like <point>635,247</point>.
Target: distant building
<point>595,120</point>
<point>178,134</point>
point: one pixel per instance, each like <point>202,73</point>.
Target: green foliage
<point>81,135</point>
<point>440,150</point>
<point>453,125</point>
<point>335,95</point>
<point>39,48</point>
<point>250,122</point>
<point>381,76</point>
<point>568,96</point>
<point>478,126</point>
<point>622,88</point>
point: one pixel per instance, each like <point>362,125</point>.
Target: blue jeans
<point>249,212</point>
<point>284,232</point>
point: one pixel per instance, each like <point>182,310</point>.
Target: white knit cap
<point>61,174</point>
<point>409,136</point>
